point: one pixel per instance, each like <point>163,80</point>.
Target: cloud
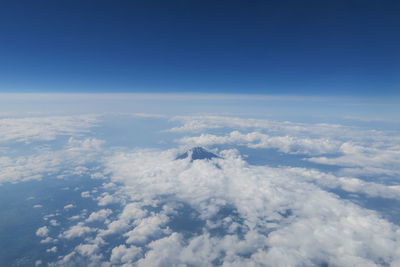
<point>87,249</point>
<point>45,162</point>
<point>75,217</point>
<point>163,252</point>
<point>100,215</point>
<point>85,194</point>
<point>286,144</point>
<point>362,160</point>
<point>42,231</point>
<point>48,240</point>
<point>245,215</point>
<point>69,206</point>
<point>224,211</point>
<point>349,184</point>
<point>145,228</point>
<point>124,255</point>
<point>149,115</point>
<point>126,219</point>
<point>27,168</point>
<point>52,249</point>
<point>44,128</point>
<point>87,144</point>
<point>359,151</point>
<point>54,222</point>
<point>203,123</point>
<point>77,231</point>
<point>107,199</point>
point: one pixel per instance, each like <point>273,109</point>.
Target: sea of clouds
<point>156,210</point>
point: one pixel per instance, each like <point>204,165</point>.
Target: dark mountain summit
<point>197,153</point>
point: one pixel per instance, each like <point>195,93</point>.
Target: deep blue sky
<point>270,47</point>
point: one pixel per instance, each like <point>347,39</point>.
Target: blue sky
<point>253,47</point>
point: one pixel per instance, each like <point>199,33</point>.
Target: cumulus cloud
<point>124,255</point>
<point>54,222</point>
<point>87,249</point>
<point>245,215</point>
<point>145,228</point>
<point>52,249</point>
<point>164,252</point>
<point>223,211</point>
<point>126,219</point>
<point>85,194</point>
<point>100,215</point>
<point>42,231</point>
<point>360,152</point>
<point>107,199</point>
<point>77,231</point>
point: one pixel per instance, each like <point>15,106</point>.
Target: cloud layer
<point>156,210</point>
<point>244,215</point>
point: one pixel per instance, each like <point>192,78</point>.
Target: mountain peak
<point>197,153</point>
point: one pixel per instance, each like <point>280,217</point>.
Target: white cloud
<point>163,252</point>
<point>365,160</point>
<point>87,144</point>
<point>358,151</point>
<point>108,185</point>
<point>146,228</point>
<point>48,240</point>
<point>349,184</point>
<point>75,217</point>
<point>97,175</point>
<point>69,206</point>
<point>42,231</point>
<point>248,215</point>
<point>107,199</point>
<point>124,255</point>
<point>148,115</point>
<point>52,249</point>
<point>87,249</point>
<point>44,128</point>
<point>127,218</point>
<point>305,225</point>
<point>100,215</point>
<point>27,168</point>
<point>54,222</point>
<point>202,123</point>
<point>77,231</point>
<point>287,144</point>
<point>85,194</point>
<point>45,162</point>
